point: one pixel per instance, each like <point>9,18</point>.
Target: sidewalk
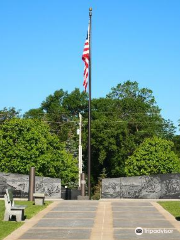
<point>100,220</point>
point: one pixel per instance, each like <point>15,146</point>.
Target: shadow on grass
<point>13,218</point>
<point>178,218</point>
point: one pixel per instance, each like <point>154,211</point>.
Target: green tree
<point>61,111</point>
<point>36,113</point>
<point>153,156</point>
<point>76,102</point>
<point>120,123</point>
<point>28,142</point>
<point>176,141</point>
<point>137,106</point>
<point>7,114</point>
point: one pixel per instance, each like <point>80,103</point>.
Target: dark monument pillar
<point>31,183</point>
<point>83,184</point>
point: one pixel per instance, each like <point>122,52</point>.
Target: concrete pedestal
<point>39,198</point>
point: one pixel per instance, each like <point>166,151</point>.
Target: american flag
<point>85,58</point>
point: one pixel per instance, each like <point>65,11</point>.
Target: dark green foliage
<point>34,113</point>
<point>97,189</point>
<point>153,156</point>
<point>61,111</point>
<point>176,148</point>
<point>120,123</point>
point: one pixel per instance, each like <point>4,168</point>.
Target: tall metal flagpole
<point>89,115</point>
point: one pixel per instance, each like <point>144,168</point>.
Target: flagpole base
<point>82,197</point>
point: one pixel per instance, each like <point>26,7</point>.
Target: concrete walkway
<point>100,220</point>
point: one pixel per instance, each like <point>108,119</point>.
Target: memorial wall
<point>166,186</point>
<point>19,183</point>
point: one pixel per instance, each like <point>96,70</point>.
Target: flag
<point>85,58</point>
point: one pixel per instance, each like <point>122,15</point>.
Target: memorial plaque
<point>130,187</point>
<point>111,188</point>
<point>19,184</point>
<point>170,186</point>
<point>151,187</point>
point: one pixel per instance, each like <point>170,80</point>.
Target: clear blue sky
<point>41,44</point>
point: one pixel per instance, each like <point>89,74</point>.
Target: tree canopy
<point>153,156</point>
<point>121,121</point>
<point>7,114</point>
<point>28,142</point>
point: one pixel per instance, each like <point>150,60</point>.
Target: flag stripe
<point>85,58</point>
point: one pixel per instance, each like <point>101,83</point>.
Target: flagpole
<point>89,115</point>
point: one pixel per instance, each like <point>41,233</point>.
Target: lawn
<point>7,227</point>
<point>172,207</point>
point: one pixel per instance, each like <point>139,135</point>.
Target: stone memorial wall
<point>19,183</point>
<point>152,187</point>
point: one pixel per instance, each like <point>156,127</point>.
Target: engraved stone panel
<point>151,187</point>
<point>19,183</point>
<point>50,186</point>
<point>130,187</point>
<point>111,188</point>
<point>170,186</point>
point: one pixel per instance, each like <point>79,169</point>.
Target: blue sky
<point>41,44</point>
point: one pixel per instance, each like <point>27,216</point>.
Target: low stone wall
<point>19,183</point>
<point>166,186</point>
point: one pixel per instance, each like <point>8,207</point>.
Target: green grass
<point>172,207</point>
<point>7,227</point>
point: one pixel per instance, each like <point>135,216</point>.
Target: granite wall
<point>19,183</point>
<point>153,186</point>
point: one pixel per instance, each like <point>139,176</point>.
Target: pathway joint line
<point>103,224</point>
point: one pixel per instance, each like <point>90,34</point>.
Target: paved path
<point>100,220</point>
